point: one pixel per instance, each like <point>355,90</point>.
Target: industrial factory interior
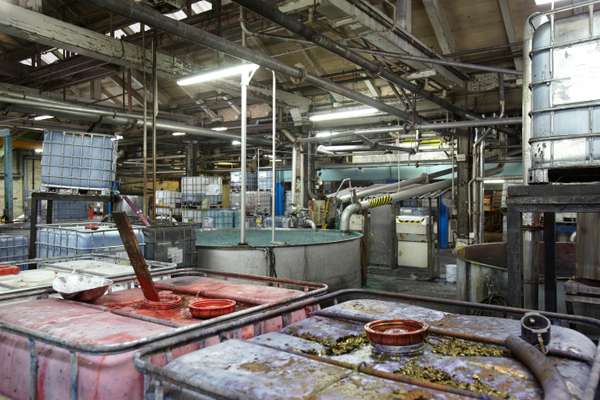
<point>299,199</point>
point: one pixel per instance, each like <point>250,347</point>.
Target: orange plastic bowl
<point>211,308</point>
<point>396,332</point>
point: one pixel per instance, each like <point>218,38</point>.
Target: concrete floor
<point>412,280</point>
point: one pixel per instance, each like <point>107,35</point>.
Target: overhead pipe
<point>142,13</point>
<point>298,27</point>
<point>382,188</point>
<point>423,126</point>
<point>112,117</point>
<point>422,178</point>
<point>389,199</point>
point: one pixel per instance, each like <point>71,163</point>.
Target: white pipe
<point>245,80</point>
<point>384,188</point>
<point>302,183</point>
<point>294,171</point>
<point>401,195</point>
<point>273,159</point>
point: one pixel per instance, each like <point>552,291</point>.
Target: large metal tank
<point>326,256</point>
<point>565,89</point>
<point>482,274</point>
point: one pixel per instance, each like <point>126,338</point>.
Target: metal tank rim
<point>352,235</point>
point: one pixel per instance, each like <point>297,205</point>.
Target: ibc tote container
<point>78,160</point>
<point>13,247</point>
<point>72,239</point>
<point>174,244</point>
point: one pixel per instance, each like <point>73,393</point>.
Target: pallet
<point>76,190</point>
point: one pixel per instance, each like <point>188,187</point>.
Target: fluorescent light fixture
<point>38,150</point>
<point>117,137</point>
<point>236,142</point>
<point>217,74</point>
<point>324,134</point>
<point>220,128</point>
<point>178,133</point>
<point>42,117</point>
<point>344,113</point>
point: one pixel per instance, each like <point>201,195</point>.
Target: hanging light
<point>217,74</point>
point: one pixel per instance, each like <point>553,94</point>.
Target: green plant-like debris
<point>343,345</point>
<point>436,375</point>
<point>454,347</point>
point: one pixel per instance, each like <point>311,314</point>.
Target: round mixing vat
<point>482,274</point>
<point>326,256</point>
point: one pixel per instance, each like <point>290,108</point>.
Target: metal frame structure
<point>158,378</point>
<point>546,199</point>
<point>36,197</point>
<point>310,289</point>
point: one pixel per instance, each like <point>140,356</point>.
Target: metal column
<point>550,261</point>
<point>463,163</point>
<point>8,176</point>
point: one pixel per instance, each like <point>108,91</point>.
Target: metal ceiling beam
<point>296,26</point>
<point>384,35</point>
<point>151,17</point>
<point>509,28</point>
<point>441,27</point>
<point>36,27</point>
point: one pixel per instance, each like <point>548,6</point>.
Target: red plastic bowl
<point>9,270</point>
<point>396,332</point>
<point>211,308</point>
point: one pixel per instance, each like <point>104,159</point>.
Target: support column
<point>8,176</point>
<point>550,263</point>
<point>463,158</point>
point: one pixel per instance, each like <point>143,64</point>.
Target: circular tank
<point>327,256</point>
<point>565,89</point>
<point>482,274</point>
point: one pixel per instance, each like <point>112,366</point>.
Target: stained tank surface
<point>328,357</point>
<point>327,256</point>
<point>54,348</point>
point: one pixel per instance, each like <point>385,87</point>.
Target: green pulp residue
<point>454,347</point>
<point>343,345</point>
<point>436,375</point>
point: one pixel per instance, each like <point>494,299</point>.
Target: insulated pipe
<point>425,126</point>
<point>138,12</point>
<point>112,117</point>
<point>296,26</point>
<point>383,188</point>
<point>388,199</point>
<point>310,172</point>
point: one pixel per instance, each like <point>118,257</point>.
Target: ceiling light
<point>38,150</point>
<point>542,2</point>
<point>116,137</point>
<point>220,128</point>
<point>178,133</point>
<point>217,74</point>
<point>345,113</point>
<point>42,117</point>
<point>236,142</point>
<point>324,134</point>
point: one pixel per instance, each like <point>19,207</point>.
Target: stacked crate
<point>78,160</point>
<point>200,191</point>
<point>13,247</point>
<point>213,218</point>
<point>72,239</point>
<point>168,203</point>
<point>174,244</point>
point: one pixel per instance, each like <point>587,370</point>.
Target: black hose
<point>545,372</point>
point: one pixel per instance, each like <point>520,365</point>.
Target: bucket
<point>451,273</point>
